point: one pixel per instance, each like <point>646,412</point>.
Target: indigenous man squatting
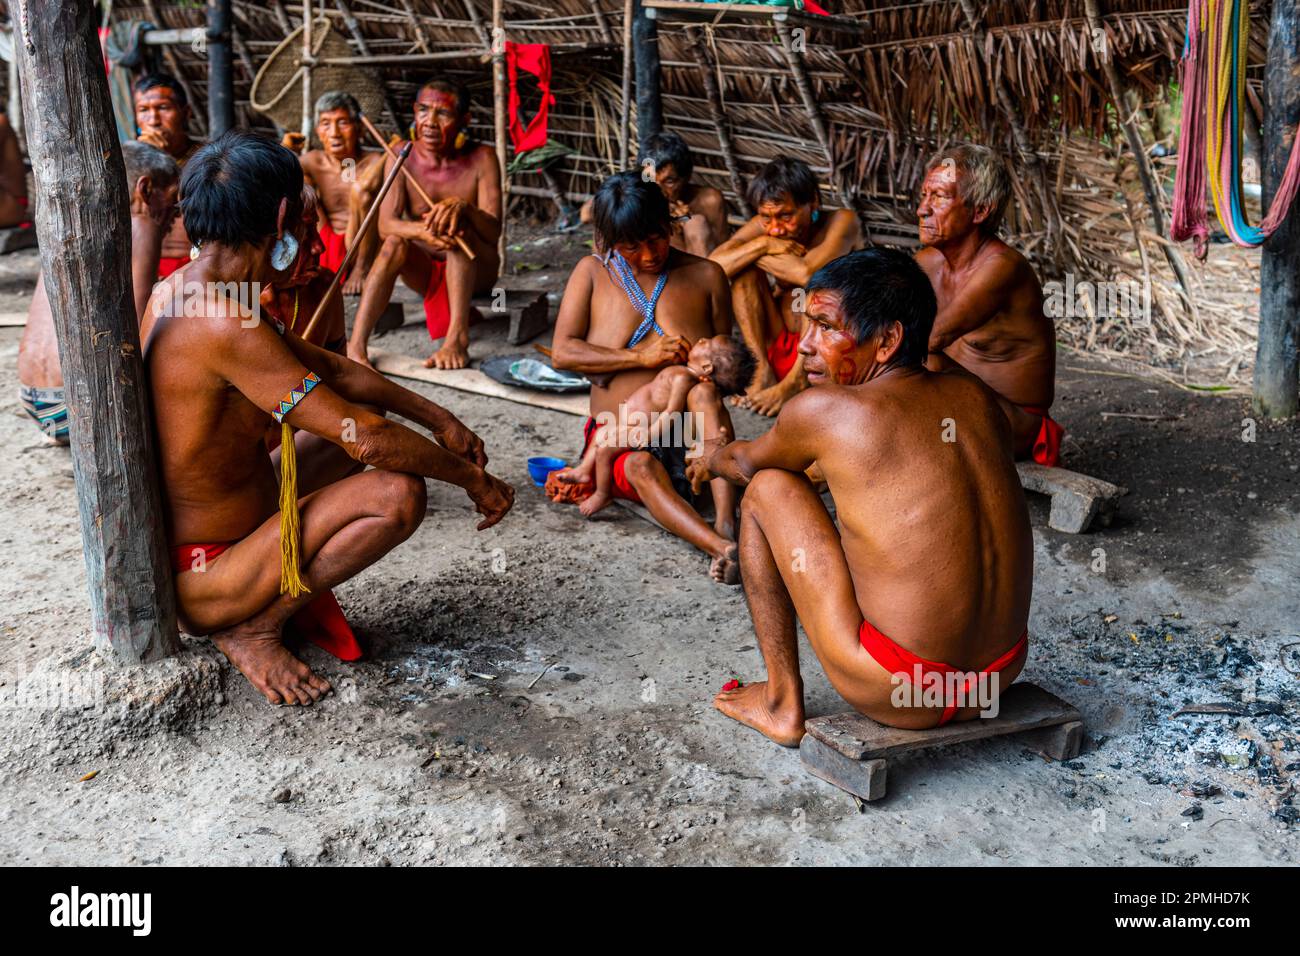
<point>628,313</point>
<point>991,320</point>
<point>932,564</point>
<point>699,213</point>
<point>153,179</point>
<point>464,181</point>
<point>219,378</point>
<point>767,260</point>
<point>162,114</point>
<point>346,178</point>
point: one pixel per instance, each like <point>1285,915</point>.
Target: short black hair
<point>157,81</point>
<point>783,177</point>
<point>629,209</point>
<point>232,187</point>
<point>733,374</point>
<point>876,287</point>
<point>661,149</point>
<point>458,90</point>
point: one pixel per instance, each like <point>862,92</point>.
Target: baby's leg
<point>605,456</point>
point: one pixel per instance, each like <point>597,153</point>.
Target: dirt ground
<point>540,693</point>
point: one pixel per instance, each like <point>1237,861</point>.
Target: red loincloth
<point>783,353</point>
<point>320,621</point>
<point>169,264</point>
<point>900,661</point>
<point>1047,446</point>
<point>437,307</point>
<point>561,492</point>
<point>336,248</point>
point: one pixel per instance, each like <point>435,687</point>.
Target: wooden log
<point>84,227</point>
<point>721,125</point>
<point>645,53</point>
<point>1277,357</point>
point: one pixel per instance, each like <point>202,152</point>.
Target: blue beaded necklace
<point>643,304</point>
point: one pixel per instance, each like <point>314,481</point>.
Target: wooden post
<point>221,75</point>
<point>625,102</point>
<point>1128,121</point>
<point>83,224</point>
<point>500,98</point>
<point>308,107</point>
<point>721,124</point>
<point>645,46</point>
<point>1277,359</point>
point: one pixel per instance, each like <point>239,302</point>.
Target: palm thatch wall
<point>884,84</point>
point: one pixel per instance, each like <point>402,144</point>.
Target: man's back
<point>933,520</point>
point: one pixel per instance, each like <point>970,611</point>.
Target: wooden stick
<point>500,107</point>
<point>625,101</point>
<point>365,225</point>
<point>415,184</point>
<point>720,124</point>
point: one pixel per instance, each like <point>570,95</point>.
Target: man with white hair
<point>991,320</point>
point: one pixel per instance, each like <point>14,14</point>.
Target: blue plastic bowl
<point>541,467</point>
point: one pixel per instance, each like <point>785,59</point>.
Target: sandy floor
<point>540,692</point>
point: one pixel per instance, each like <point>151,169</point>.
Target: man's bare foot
<point>266,662</point>
<point>452,355</point>
<point>764,378</point>
<point>354,283</point>
<point>781,721</point>
<point>770,401</point>
<point>725,568</point>
<point>597,501</point>
<point>360,357</point>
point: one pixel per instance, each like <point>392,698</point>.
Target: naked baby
<point>647,417</point>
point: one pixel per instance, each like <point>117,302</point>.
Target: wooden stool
<point>1076,499</point>
<point>851,751</point>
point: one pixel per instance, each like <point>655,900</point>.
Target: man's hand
<point>784,247</point>
<point>460,441</point>
<point>444,218</point>
<point>153,137</point>
<point>665,350</point>
<point>492,498</point>
<point>698,474</point>
<point>294,142</point>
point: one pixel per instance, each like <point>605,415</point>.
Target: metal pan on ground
<point>527,371</point>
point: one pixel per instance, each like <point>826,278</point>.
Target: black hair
<point>876,287</point>
<point>735,371</point>
<point>662,149</point>
<point>232,187</point>
<point>439,85</point>
<point>629,209</point>
<point>783,177</point>
<point>157,81</point>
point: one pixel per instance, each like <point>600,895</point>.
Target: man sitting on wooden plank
<point>628,313</point>
<point>928,577</point>
<point>699,213</point>
<point>767,260</point>
<point>153,179</point>
<point>991,320</point>
<point>162,113</point>
<point>423,244</point>
<point>253,554</point>
<point>14,210</point>
<point>346,179</point>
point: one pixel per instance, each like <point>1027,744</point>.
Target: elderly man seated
<point>917,604</point>
<point>991,319</point>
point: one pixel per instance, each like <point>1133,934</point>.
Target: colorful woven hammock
<point>1214,99</point>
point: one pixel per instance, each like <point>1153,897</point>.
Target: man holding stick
<point>439,227</point>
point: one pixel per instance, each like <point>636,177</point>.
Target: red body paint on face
<point>847,371</point>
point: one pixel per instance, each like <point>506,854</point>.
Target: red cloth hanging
<point>534,58</point>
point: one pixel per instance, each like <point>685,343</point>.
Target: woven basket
<point>277,88</point>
